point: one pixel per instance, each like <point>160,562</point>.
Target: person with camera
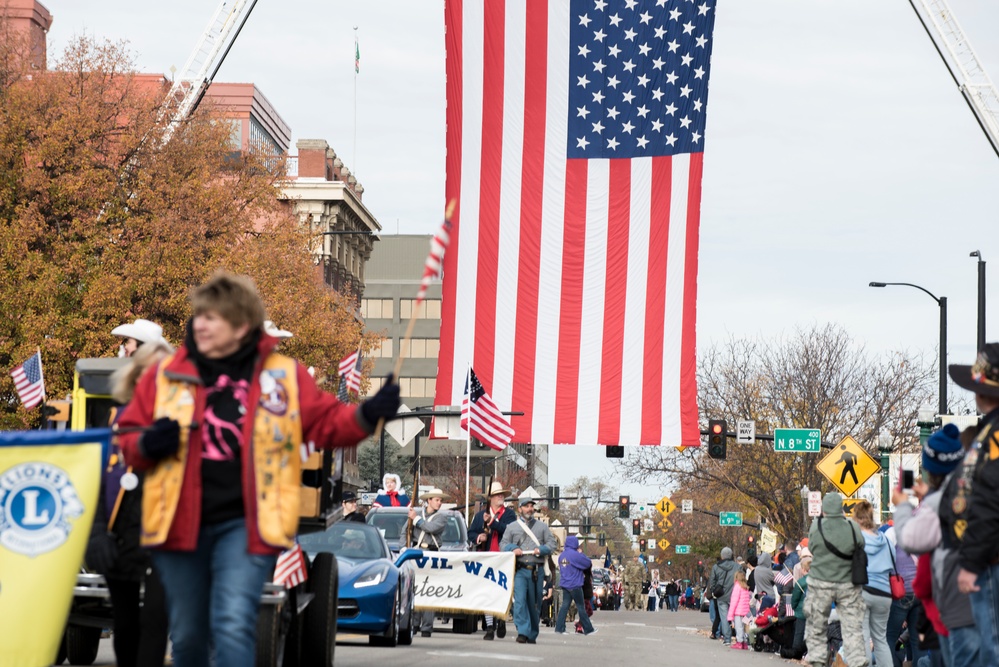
<point>838,571</point>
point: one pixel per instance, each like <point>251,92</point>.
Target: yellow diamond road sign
<point>665,506</point>
<point>848,466</point>
<point>664,544</point>
<point>665,524</point>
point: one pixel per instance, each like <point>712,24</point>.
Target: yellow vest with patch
<point>275,448</point>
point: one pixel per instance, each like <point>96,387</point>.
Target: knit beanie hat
<point>943,451</point>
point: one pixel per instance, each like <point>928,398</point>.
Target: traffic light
<point>553,492</point>
<point>668,563</point>
<point>615,451</point>
<point>636,526</point>
<point>717,439</point>
<point>585,525</point>
<point>623,507</point>
<point>602,541</point>
<point>641,544</point>
<point>751,548</point>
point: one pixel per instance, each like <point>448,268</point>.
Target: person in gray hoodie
<point>877,592</point>
<point>830,580</point>
<point>722,579</point>
<point>764,575</point>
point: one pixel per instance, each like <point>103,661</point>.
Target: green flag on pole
<point>357,57</point>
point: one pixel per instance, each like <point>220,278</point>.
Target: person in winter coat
<point>219,429</point>
<point>877,592</point>
<point>764,575</point>
<point>531,541</point>
<point>921,531</point>
<point>798,596</point>
<point>485,533</point>
<point>830,580</point>
<point>140,619</point>
<point>391,494</point>
<point>738,609</point>
<point>720,584</point>
<point>970,505</point>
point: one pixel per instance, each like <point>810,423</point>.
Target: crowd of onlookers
<point>919,589</point>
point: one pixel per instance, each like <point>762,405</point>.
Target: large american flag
<point>481,417</point>
<point>575,131</point>
<point>29,381</point>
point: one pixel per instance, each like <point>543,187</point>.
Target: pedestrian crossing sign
<point>848,466</point>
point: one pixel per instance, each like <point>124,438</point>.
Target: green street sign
<point>730,518</point>
<point>797,440</point>
<point>683,549</point>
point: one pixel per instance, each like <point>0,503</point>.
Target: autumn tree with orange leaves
<point>101,221</point>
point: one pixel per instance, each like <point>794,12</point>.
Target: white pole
<point>353,167</point>
<point>468,448</point>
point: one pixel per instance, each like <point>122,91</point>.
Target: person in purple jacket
<point>571,565</point>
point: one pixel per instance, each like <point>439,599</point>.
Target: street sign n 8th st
<point>797,440</point>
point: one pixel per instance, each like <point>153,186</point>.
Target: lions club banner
<point>49,483</point>
<point>455,581</point>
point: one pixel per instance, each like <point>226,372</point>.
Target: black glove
<point>384,404</point>
<point>102,551</point>
<point>161,440</point>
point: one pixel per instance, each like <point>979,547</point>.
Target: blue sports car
<point>376,591</point>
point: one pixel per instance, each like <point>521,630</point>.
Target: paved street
<point>624,638</point>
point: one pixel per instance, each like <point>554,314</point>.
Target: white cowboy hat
<point>271,330</point>
<point>496,489</point>
<point>434,493</point>
<point>141,330</point>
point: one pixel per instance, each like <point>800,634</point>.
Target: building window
<point>377,309</point>
<point>423,348</point>
<point>431,309</point>
<point>417,387</point>
<point>384,351</point>
<point>374,384</point>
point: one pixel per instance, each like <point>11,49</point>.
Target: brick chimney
<point>312,158</point>
<point>30,20</point>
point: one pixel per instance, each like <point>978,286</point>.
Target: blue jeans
<point>726,629</point>
<point>963,647</point>
<point>674,602</point>
<point>213,594</point>
<point>527,594</point>
<point>570,595</point>
<point>905,610</point>
<point>985,609</point>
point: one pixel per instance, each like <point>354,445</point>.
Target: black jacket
<point>499,527</point>
<point>978,544</point>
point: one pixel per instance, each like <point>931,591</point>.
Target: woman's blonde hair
<point>125,378</point>
<point>863,514</point>
<point>806,565</point>
<point>740,578</point>
<point>235,298</point>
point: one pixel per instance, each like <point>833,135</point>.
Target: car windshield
<point>393,527</point>
<point>346,540</point>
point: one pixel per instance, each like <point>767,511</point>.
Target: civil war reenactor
<point>634,576</point>
<point>486,533</point>
<point>531,541</point>
<point>429,524</point>
<point>348,503</point>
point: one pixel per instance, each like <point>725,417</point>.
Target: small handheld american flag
<point>291,569</point>
<point>350,371</point>
<point>29,381</point>
<point>435,260</point>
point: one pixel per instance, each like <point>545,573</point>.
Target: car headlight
<point>372,578</point>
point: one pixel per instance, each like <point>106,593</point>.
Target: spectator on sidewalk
<point>738,609</point>
<point>720,584</point>
<point>877,592</point>
<point>831,581</point>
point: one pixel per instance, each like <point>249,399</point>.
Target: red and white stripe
<point>291,569</point>
<point>435,259</point>
<point>571,285</point>
<point>350,370</point>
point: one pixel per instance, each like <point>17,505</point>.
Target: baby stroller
<point>777,634</point>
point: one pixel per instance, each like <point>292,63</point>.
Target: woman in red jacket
<point>226,422</point>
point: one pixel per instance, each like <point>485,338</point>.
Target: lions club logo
<point>37,502</point>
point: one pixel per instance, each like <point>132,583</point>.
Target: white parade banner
<point>456,581</point>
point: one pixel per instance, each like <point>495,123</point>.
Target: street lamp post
<point>981,299</point>
<point>884,447</point>
<point>942,302</point>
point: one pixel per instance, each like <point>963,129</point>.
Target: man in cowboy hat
<point>969,506</point>
<point>486,533</point>
<point>428,526</point>
<point>531,541</point>
<point>135,334</point>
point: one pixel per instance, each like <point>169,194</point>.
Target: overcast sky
<point>838,150</point>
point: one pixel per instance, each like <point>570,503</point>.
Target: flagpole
<point>468,451</point>
<point>356,68</point>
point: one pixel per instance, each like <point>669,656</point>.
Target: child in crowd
<point>738,609</point>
